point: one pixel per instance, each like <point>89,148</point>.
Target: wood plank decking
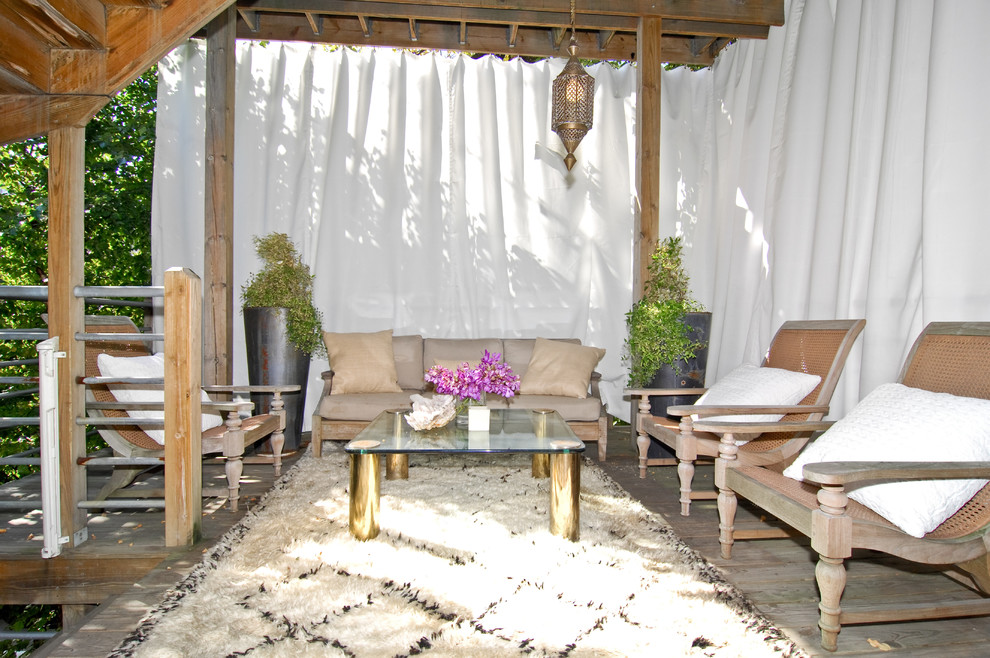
<point>777,575</point>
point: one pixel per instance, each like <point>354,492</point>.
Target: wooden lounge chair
<point>947,357</point>
<point>817,347</point>
<point>130,441</point>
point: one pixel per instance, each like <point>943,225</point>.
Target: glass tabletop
<point>510,430</point>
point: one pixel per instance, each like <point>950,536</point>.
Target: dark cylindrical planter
<point>274,361</point>
<point>688,373</point>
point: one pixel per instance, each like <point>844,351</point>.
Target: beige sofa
<point>346,406</point>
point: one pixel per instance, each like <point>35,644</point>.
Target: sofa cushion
<point>362,362</point>
<point>558,368</point>
<point>408,352</point>
<point>457,350</point>
<point>361,406</point>
<point>518,352</point>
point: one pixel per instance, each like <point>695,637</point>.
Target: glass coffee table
<point>541,432</point>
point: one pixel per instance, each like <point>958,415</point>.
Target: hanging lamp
<point>573,101</point>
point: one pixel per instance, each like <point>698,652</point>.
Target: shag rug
<point>465,565</point>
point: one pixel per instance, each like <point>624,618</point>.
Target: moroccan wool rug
<point>465,565</point>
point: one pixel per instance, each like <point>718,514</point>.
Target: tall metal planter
<point>688,373</point>
<point>274,361</point>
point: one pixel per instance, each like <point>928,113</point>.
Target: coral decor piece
<point>431,413</point>
<point>489,376</point>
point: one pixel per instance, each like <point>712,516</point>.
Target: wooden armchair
<point>131,441</point>
<point>817,347</point>
<point>947,357</point>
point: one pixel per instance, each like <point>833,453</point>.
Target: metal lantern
<point>573,104</point>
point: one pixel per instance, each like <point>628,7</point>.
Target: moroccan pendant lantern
<point>573,101</point>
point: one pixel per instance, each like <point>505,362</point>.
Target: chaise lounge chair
<point>815,347</point>
<point>949,358</point>
<point>131,441</point>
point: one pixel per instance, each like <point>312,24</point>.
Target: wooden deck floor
<point>777,575</point>
<point>124,548</point>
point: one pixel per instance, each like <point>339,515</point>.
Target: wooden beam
<point>183,410</point>
<point>66,206</point>
<point>647,148</point>
<point>549,12</point>
<point>27,116</point>
<point>512,35</point>
<point>413,30</point>
<point>315,22</point>
<point>462,40</point>
<point>23,56</point>
<point>365,26</point>
<point>392,33</point>
<point>74,578</point>
<point>61,23</point>
<point>218,266</point>
<point>604,37</point>
<point>251,18</point>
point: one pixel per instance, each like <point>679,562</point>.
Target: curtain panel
<point>427,193</point>
<point>837,169</point>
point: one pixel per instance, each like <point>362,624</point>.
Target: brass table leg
<point>365,491</point>
<point>541,465</point>
<point>397,467</point>
<point>565,489</point>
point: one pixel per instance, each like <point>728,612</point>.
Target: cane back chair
<point>817,347</point>
<point>947,358</point>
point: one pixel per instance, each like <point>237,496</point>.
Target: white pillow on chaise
<point>141,367</point>
<point>898,423</point>
<point>751,385</point>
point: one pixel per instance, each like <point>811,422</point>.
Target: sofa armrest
<point>327,377</point>
<point>596,378</point>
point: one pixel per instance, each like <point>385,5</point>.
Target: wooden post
<point>183,409</point>
<point>649,65</point>
<point>218,266</point>
<point>66,313</point>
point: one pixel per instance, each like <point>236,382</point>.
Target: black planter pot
<point>688,373</point>
<point>274,361</point>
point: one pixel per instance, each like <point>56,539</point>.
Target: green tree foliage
<point>120,150</point>
<point>120,147</point>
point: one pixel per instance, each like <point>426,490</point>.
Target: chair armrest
<point>743,409</point>
<point>722,427</point>
<point>648,392</point>
<point>229,407</point>
<point>279,389</point>
<point>839,473</point>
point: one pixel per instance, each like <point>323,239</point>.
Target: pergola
<point>62,60</point>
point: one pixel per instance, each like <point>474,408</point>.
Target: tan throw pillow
<point>362,363</point>
<point>558,368</point>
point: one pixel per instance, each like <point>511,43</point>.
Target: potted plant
<point>283,330</point>
<point>667,342</point>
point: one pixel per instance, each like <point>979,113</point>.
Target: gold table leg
<point>565,489</point>
<point>397,467</point>
<point>541,465</point>
<point>365,493</point>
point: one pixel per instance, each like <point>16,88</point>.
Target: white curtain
<point>427,193</point>
<point>849,179</point>
<point>837,169</point>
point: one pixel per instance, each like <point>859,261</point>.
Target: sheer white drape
<point>427,193</point>
<point>849,179</point>
<point>837,169</point>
